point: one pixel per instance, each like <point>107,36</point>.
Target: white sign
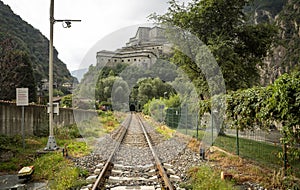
<point>22,96</point>
<point>55,108</point>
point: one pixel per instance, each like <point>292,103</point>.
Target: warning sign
<point>22,96</point>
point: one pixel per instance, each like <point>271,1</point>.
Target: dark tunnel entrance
<point>132,107</point>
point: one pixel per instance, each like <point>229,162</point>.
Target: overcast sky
<point>99,18</point>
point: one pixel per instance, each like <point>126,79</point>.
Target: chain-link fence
<point>261,146</point>
<point>183,120</point>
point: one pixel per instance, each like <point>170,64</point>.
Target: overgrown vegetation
<point>258,108</point>
<point>247,170</point>
<point>53,166</point>
<point>58,170</point>
<point>164,130</point>
<point>13,157</point>
<point>98,126</point>
<point>261,152</point>
<point>204,177</point>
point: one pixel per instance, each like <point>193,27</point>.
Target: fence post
<point>197,124</point>
<point>212,127</point>
<point>284,155</point>
<point>237,142</point>
<point>186,120</point>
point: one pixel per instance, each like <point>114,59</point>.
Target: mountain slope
<point>264,11</point>
<point>34,42</point>
<point>286,53</point>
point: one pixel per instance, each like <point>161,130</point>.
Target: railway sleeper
<point>137,188</point>
<point>145,174</point>
<point>132,180</point>
<point>139,167</point>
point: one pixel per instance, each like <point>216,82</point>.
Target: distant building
<point>148,36</point>
<point>67,85</point>
<point>142,50</point>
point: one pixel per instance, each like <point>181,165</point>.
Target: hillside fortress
<point>148,44</point>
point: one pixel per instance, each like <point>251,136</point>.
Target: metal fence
<point>262,146</point>
<point>183,121</point>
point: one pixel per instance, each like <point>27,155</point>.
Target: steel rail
<point>99,182</point>
<point>159,166</point>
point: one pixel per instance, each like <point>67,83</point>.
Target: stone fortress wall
<point>142,50</point>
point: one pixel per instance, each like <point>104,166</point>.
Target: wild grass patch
<point>204,177</point>
<point>59,171</point>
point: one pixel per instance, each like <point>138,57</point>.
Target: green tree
<point>67,101</point>
<point>120,95</point>
<point>104,88</point>
<point>237,46</point>
<point>16,72</point>
<point>153,88</point>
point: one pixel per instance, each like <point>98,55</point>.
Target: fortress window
<point>134,59</point>
<point>115,60</point>
<point>108,60</point>
<point>128,60</point>
<point>122,60</point>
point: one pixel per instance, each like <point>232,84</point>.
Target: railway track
<point>133,171</point>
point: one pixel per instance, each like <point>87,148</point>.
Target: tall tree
<point>16,72</point>
<point>237,46</point>
<point>153,88</point>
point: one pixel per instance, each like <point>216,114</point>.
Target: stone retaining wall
<point>36,118</point>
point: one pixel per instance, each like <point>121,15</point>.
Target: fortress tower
<point>143,49</point>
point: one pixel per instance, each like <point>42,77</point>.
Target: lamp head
<point>67,24</point>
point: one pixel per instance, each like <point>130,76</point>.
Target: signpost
<point>22,100</point>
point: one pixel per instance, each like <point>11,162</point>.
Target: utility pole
<point>51,144</point>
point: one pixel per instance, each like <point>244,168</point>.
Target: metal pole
<point>237,142</point>
<point>285,160</point>
<point>161,107</point>
<point>51,68</point>
<point>197,124</point>
<point>51,145</point>
<point>22,126</point>
<point>186,120</point>
<point>212,128</point>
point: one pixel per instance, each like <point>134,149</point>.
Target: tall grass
<point>205,178</point>
<point>59,171</point>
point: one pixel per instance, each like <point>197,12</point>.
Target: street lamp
<point>51,144</point>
